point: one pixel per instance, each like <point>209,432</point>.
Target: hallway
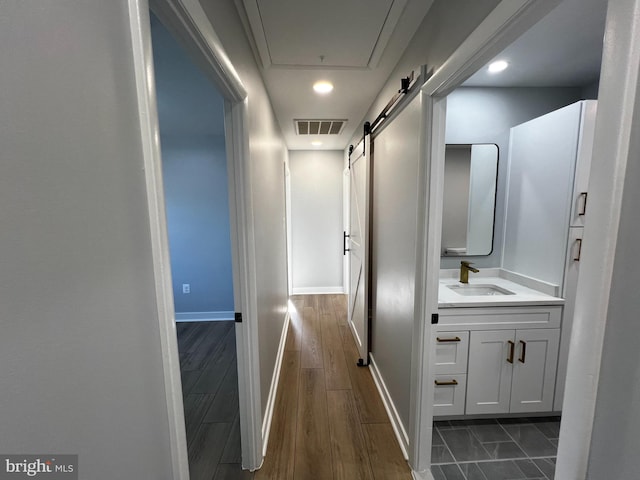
<point>329,421</point>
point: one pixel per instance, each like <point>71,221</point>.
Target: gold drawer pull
<point>523,354</point>
<point>512,347</point>
<point>579,243</point>
<point>454,339</point>
<point>444,384</point>
<point>583,211</point>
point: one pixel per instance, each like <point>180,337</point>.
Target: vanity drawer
<point>449,395</point>
<point>498,318</point>
<point>452,349</point>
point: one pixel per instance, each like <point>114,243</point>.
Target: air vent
<point>319,127</point>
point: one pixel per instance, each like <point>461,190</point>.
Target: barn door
<point>359,246</point>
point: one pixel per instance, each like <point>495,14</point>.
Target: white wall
<point>485,115</point>
<point>79,344</point>
<point>268,156</point>
<point>316,221</point>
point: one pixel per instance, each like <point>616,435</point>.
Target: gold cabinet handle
<point>577,257</point>
<point>512,347</point>
<point>584,204</point>
<point>443,340</point>
<point>443,384</point>
<point>523,351</point>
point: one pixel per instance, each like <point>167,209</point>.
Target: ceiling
<point>564,49</point>
<point>355,44</point>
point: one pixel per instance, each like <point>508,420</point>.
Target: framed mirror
<point>470,178</point>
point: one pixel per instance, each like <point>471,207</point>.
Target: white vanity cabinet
<point>496,360</point>
<point>512,371</point>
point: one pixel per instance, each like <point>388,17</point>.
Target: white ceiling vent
<point>319,127</point>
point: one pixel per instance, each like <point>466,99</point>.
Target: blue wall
<point>195,179</point>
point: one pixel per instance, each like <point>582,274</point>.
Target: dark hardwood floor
<point>210,390</point>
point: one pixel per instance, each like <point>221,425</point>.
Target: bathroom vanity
<point>496,344</point>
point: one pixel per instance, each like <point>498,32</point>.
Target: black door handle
<point>344,243</point>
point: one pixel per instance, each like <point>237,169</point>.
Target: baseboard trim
<point>401,434</point>
<point>203,316</point>
<point>273,390</point>
<point>426,475</point>
<point>316,290</point>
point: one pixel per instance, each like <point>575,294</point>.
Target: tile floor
<point>495,449</point>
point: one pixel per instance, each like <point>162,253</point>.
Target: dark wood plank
<point>190,334</point>
<point>311,353</point>
<point>198,358</point>
<point>312,440</point>
<point>224,407</point>
<point>280,458</point>
<point>386,458</point>
<point>206,450</point>
<point>195,408</point>
<point>189,379</point>
<point>349,453</point>
<point>216,365</point>
<point>233,449</point>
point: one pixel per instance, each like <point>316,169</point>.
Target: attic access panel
<point>298,33</point>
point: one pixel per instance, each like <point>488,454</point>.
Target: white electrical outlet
<point>186,288</point>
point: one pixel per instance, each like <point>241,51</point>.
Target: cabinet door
<point>489,373</point>
<point>534,370</point>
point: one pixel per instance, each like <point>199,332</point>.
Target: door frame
<point>188,23</point>
<point>612,149</point>
<point>508,20</point>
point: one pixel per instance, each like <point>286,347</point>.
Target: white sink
<point>475,290</point>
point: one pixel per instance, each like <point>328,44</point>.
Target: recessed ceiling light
<point>323,87</point>
<point>316,143</point>
<point>498,66</point>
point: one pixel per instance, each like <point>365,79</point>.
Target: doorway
<point>191,120</point>
<point>575,433</point>
<point>188,23</point>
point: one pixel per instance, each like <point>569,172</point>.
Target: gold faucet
<point>464,271</point>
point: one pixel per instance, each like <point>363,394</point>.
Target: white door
<point>534,370</point>
<point>491,357</point>
<point>359,247</point>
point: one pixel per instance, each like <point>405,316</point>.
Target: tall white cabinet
<point>547,202</point>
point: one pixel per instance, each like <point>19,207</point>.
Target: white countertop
<point>542,293</point>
